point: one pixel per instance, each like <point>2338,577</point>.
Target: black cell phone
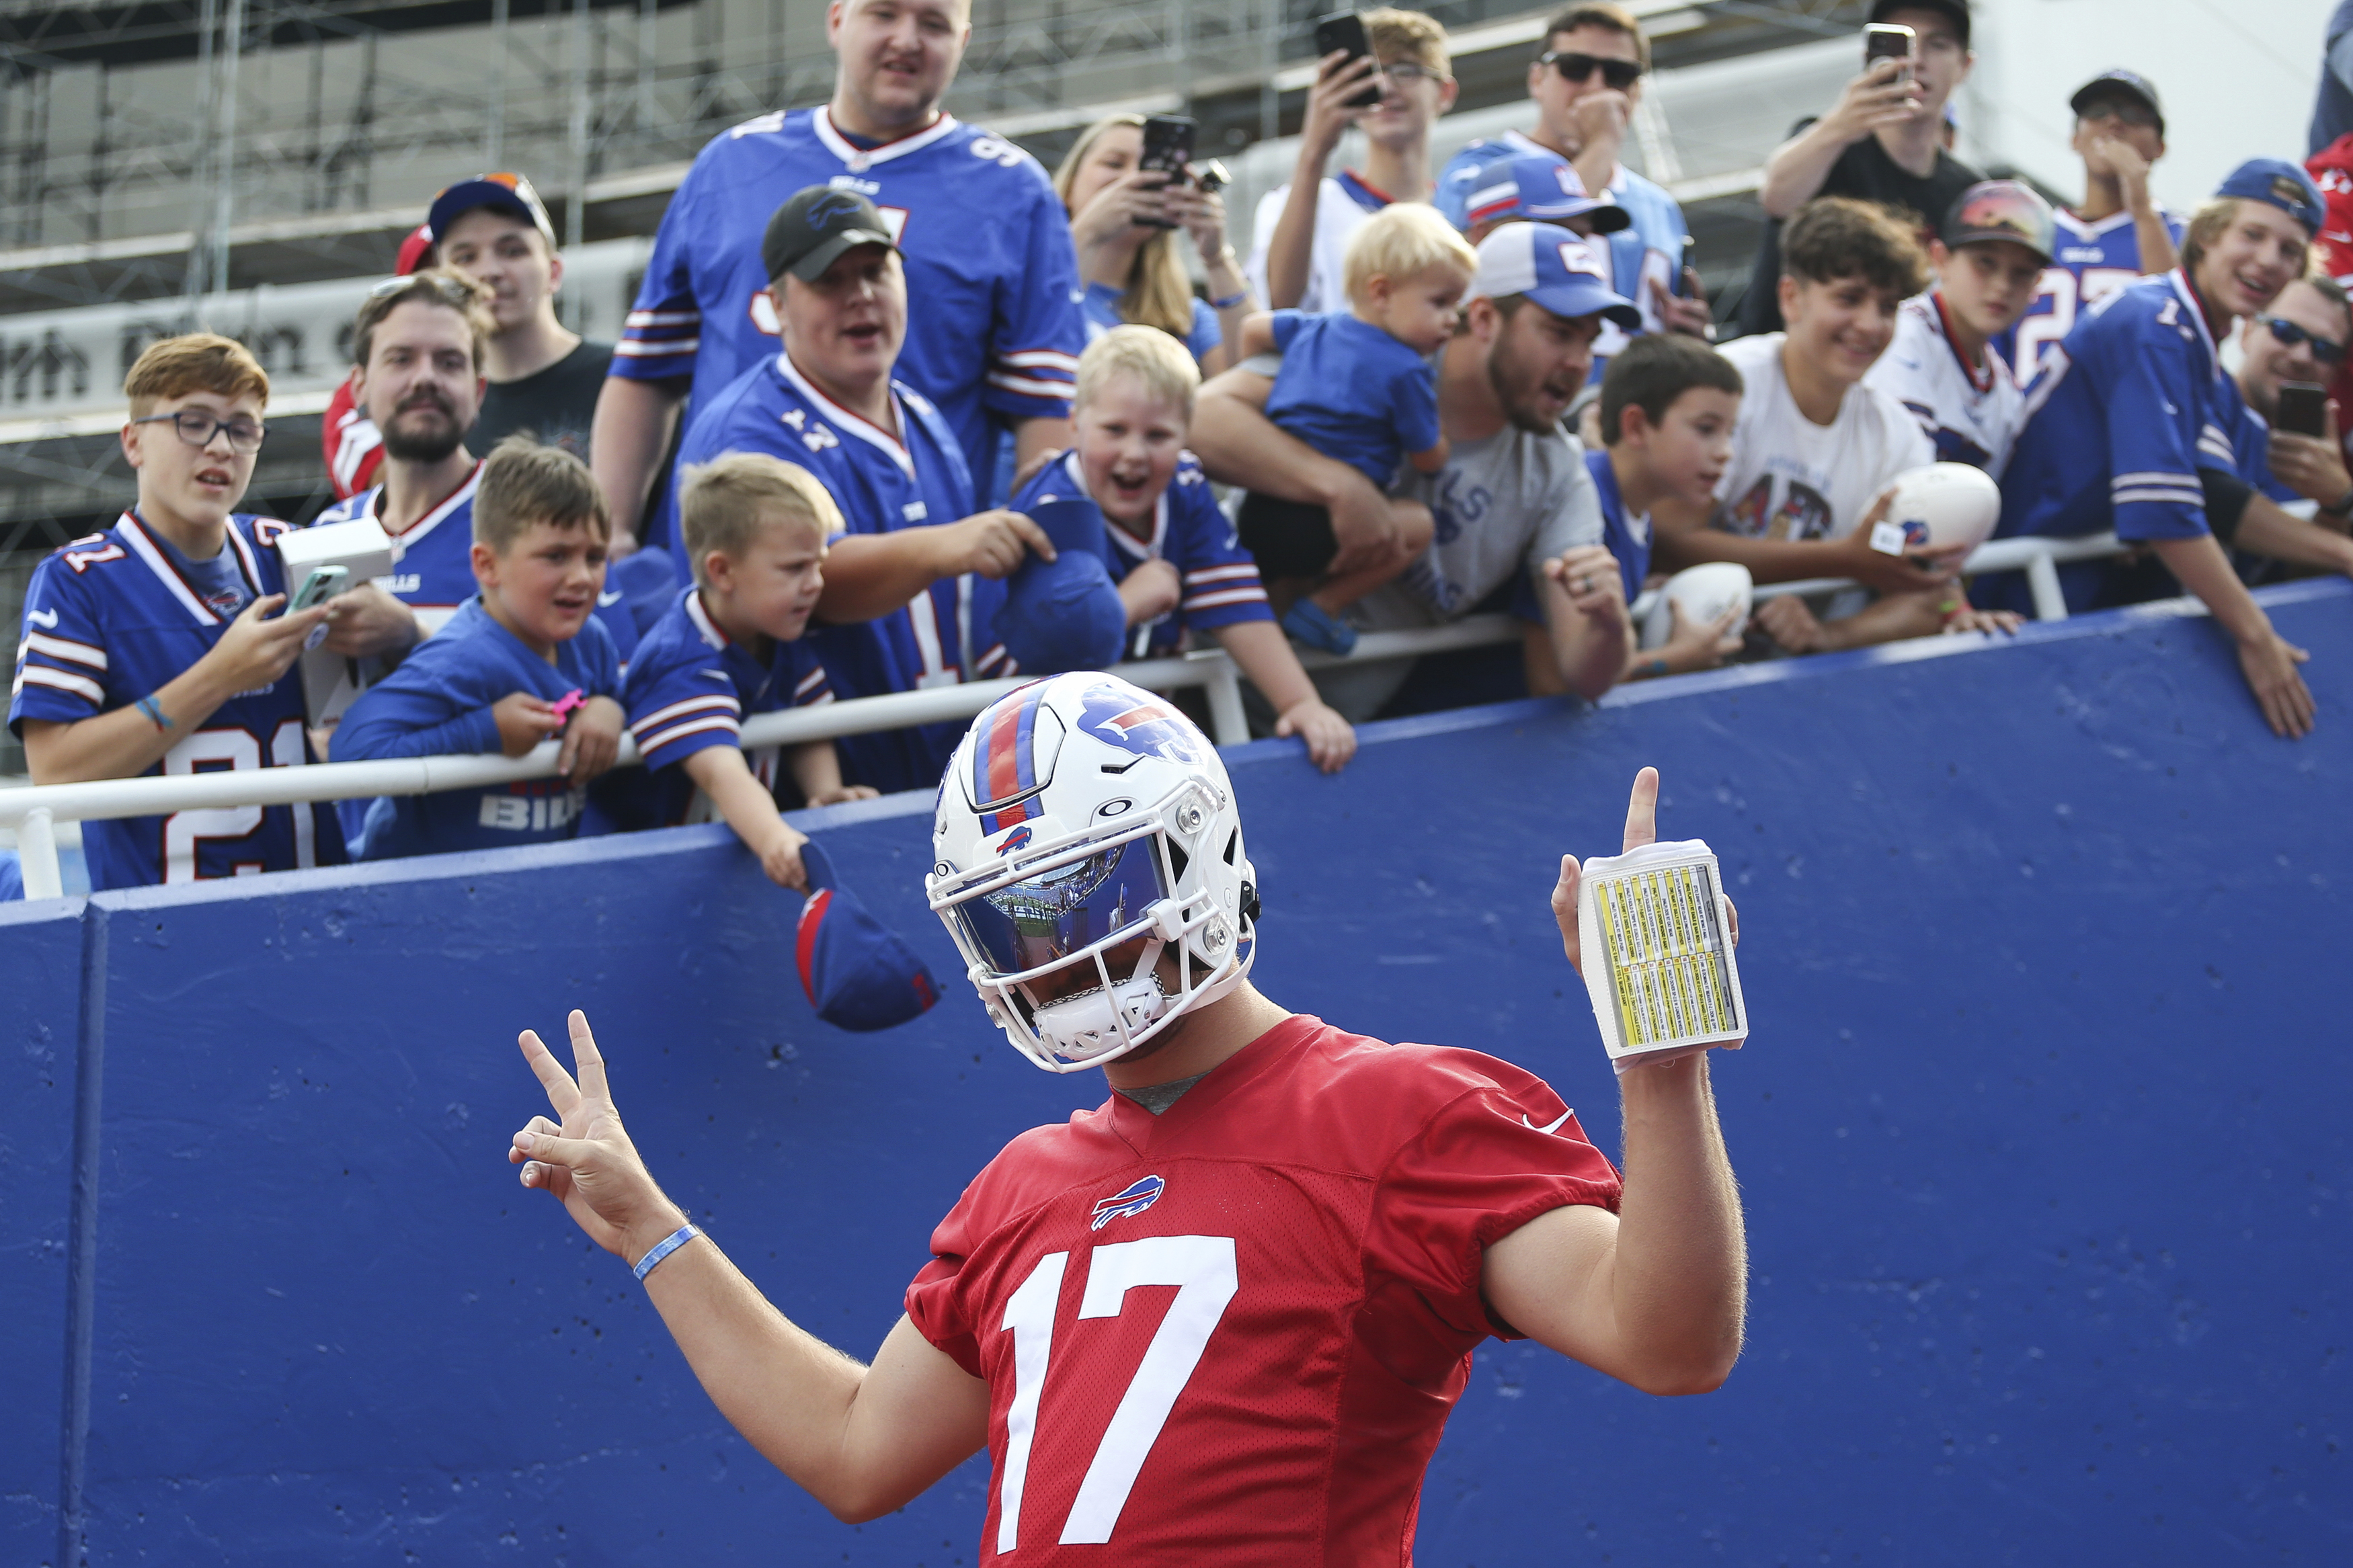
<point>1885,41</point>
<point>2303,409</point>
<point>1167,149</point>
<point>1345,30</point>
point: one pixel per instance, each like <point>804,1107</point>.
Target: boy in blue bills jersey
<point>2132,428</point>
<point>416,346</point>
<point>2116,234</point>
<point>913,588</point>
<point>1586,82</point>
<point>993,277</point>
<point>524,659</point>
<point>1180,566</point>
<point>731,646</point>
<point>157,647</point>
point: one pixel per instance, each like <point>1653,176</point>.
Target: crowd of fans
<point>896,409</point>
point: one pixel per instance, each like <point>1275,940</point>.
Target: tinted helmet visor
<point>1066,910</point>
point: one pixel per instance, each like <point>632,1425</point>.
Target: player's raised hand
<point>1641,828</point>
<point>586,1157</point>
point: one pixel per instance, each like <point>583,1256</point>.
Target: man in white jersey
<point>994,330</point>
<point>1298,246</point>
<point>1989,256</point>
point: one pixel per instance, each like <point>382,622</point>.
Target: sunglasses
<point>2125,111</point>
<point>197,428</point>
<point>1618,74</point>
<point>2288,334</point>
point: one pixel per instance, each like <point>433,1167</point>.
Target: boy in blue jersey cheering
<point>996,328</point>
<point>1179,565</point>
<point>2134,427</point>
<point>913,588</point>
<point>159,645</point>
<point>732,645</point>
<point>524,659</point>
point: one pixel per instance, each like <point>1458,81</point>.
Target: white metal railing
<point>36,810</point>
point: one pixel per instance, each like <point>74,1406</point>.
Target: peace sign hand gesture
<point>587,1158</point>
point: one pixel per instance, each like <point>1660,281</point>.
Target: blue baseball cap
<point>2279,183</point>
<point>1557,270</point>
<point>1542,190</point>
<point>2119,83</point>
<point>646,581</point>
<point>510,193</point>
<point>857,973</point>
<point>1064,614</point>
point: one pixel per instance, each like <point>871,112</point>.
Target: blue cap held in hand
<point>1064,614</point>
<point>857,972</point>
<point>2280,183</point>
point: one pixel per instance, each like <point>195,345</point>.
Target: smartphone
<point>322,584</point>
<point>1168,148</point>
<point>2303,409</point>
<point>1885,41</point>
<point>1345,30</point>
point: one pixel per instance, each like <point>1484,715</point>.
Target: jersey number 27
<point>1202,1269</point>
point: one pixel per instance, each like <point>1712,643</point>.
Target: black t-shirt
<point>556,406</point>
<point>1865,172</point>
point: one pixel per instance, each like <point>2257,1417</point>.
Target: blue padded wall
<point>2038,1137</point>
<point>40,1014</point>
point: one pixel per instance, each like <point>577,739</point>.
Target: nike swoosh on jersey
<point>605,600</point>
<point>47,618</point>
<point>718,675</point>
<point>1552,1126</point>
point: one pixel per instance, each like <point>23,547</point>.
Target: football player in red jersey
<point>1342,1220</point>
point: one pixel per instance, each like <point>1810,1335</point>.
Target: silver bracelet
<point>664,1248</point>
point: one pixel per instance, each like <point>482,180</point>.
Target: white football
<point>1704,593</point>
<point>1946,506</point>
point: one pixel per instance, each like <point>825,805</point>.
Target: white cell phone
<point>323,584</point>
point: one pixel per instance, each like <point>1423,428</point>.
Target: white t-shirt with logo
<point>1790,479</point>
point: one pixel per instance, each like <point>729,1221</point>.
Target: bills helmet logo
<point>1149,728</point>
<point>1915,532</point>
<point>1017,839</point>
<point>1134,1200</point>
<point>830,210</point>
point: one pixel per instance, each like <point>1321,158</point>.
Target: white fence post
<point>1229,726</point>
<point>36,854</point>
<point>2042,580</point>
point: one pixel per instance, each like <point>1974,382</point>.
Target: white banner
<point>62,371</point>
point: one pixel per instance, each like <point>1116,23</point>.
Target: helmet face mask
<point>1079,901</point>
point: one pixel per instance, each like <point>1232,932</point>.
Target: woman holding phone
<point>1125,218</point>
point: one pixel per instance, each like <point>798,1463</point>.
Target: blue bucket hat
<point>2280,183</point>
<point>1064,614</point>
<point>857,972</point>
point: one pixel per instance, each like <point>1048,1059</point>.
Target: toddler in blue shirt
<point>523,661</point>
<point>1358,388</point>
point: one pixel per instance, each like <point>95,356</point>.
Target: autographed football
<point>1944,506</point>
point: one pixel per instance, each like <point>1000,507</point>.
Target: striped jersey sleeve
<point>663,328</point>
<point>61,658</point>
<point>1221,586</point>
<point>1040,330</point>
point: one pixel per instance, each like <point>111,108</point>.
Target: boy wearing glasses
<point>1586,82</point>
<point>1882,141</point>
<point>1302,229</point>
<point>158,646</point>
<point>2117,232</point>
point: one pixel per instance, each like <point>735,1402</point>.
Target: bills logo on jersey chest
<point>1132,1200</point>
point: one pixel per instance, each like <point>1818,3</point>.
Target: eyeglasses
<point>2140,116</point>
<point>197,428</point>
<point>1618,74</point>
<point>2288,334</point>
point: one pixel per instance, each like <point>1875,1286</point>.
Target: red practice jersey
<point>1231,1334</point>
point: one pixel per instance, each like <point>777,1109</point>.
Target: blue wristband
<point>664,1248</point>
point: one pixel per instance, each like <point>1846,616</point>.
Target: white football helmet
<point>1085,824</point>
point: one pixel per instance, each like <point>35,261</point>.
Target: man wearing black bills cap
<point>543,377</point>
<point>1881,142</point>
<point>2117,232</point>
<point>913,588</point>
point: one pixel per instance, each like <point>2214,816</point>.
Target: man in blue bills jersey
<point>1586,81</point>
<point>2117,232</point>
<point>993,280</point>
<point>158,646</point>
<point>2134,427</point>
<point>417,347</point>
<point>913,588</point>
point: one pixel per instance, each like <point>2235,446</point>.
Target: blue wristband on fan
<point>663,1249</point>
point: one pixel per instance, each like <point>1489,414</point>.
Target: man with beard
<point>420,342</point>
<point>1514,491</point>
